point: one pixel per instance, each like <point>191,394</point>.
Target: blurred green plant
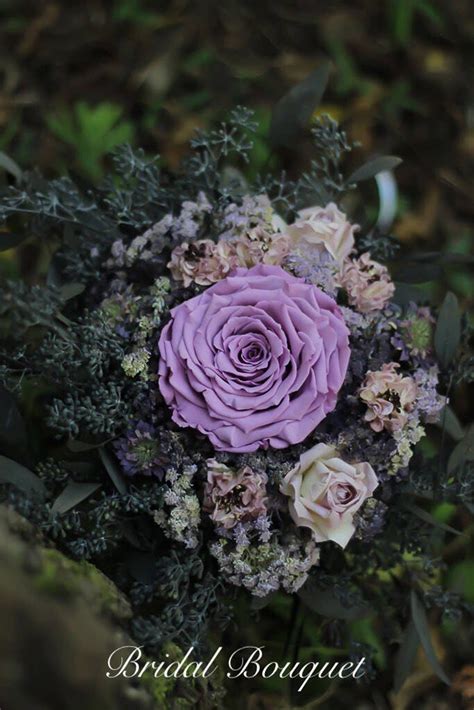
<point>401,18</point>
<point>92,132</point>
<point>135,12</point>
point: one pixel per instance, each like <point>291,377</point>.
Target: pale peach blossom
<point>368,284</point>
<point>257,246</point>
<point>233,496</point>
<point>324,229</point>
<point>389,398</point>
<point>202,262</point>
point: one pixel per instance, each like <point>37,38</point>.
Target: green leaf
<point>463,451</point>
<point>12,426</point>
<point>448,330</point>
<point>71,290</point>
<point>428,518</point>
<point>325,602</point>
<point>405,293</point>
<point>78,447</point>
<point>416,273</point>
<point>21,477</point>
<point>10,166</point>
<point>450,423</point>
<point>406,656</point>
<point>72,495</point>
<point>294,110</point>
<point>372,167</point>
<point>10,241</point>
<point>113,471</point>
<point>421,624</point>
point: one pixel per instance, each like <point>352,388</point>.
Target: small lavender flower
<point>139,451</point>
<point>429,402</point>
<point>318,268</point>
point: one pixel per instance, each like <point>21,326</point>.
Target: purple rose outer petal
<point>299,343</point>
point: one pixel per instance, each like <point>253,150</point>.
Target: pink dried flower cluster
<point>234,496</point>
<point>368,283</point>
<point>203,262</point>
<point>206,262</point>
<point>389,398</point>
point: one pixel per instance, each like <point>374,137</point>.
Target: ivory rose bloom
<point>325,229</point>
<point>254,361</point>
<point>326,491</point>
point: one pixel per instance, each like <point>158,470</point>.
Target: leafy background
<point>78,79</point>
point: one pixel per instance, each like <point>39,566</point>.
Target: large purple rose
<point>255,360</point>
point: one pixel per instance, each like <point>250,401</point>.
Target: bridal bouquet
<point>223,389</point>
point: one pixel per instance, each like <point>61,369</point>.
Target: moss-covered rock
<point>60,621</point>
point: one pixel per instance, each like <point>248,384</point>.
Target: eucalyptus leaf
<point>406,656</point>
<point>71,290</point>
<point>12,427</point>
<point>406,293</point>
<point>258,603</point>
<point>325,602</point>
<point>72,495</point>
<point>439,257</point>
<point>113,471</point>
<point>421,624</point>
<point>463,451</point>
<point>294,110</point>
<point>21,477</point>
<point>428,518</point>
<point>78,447</point>
<point>10,241</point>
<point>10,166</point>
<point>372,167</point>
<point>449,422</point>
<point>416,273</point>
<point>448,330</point>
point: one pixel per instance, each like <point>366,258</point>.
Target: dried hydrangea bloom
<point>233,496</point>
<point>389,398</point>
<point>368,284</point>
<point>257,246</point>
<point>324,229</point>
<point>202,262</point>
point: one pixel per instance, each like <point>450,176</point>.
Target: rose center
<point>252,353</point>
<point>345,493</point>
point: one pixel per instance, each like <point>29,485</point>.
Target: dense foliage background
<point>79,79</point>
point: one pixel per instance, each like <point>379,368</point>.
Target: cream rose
<point>326,491</point>
<point>325,229</point>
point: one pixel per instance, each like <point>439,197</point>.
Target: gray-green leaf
<point>293,111</point>
<point>21,477</point>
<point>449,422</point>
<point>72,495</point>
<point>448,329</point>
<point>406,656</point>
<point>421,624</point>
<point>324,602</point>
<point>372,167</point>
<point>10,166</point>
<point>463,451</point>
<point>113,471</point>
